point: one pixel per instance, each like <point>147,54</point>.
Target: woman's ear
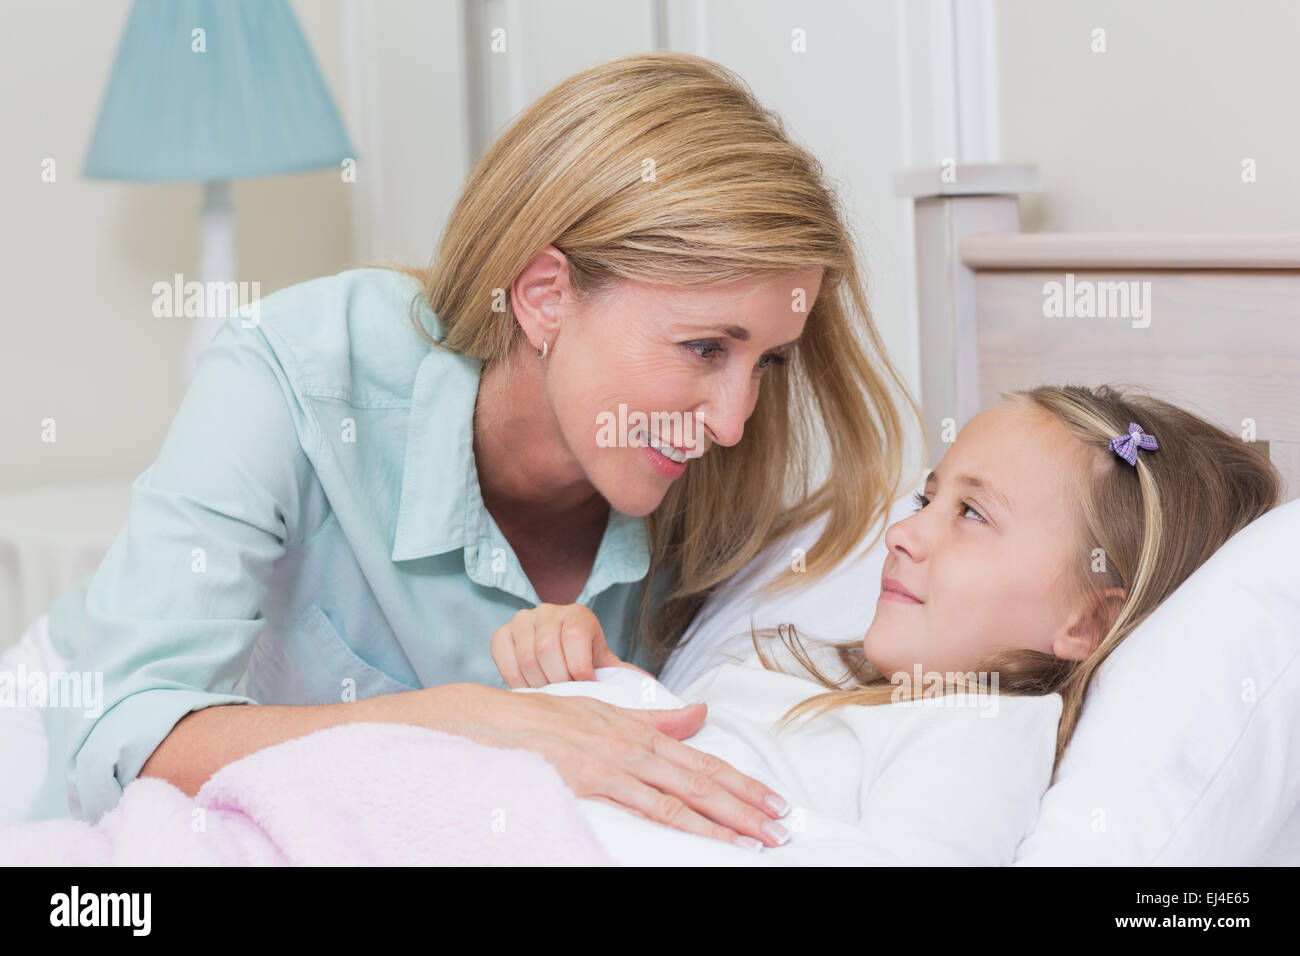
<point>1088,628</point>
<point>537,292</point>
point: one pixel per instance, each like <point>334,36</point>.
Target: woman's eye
<point>696,346</point>
<point>706,349</point>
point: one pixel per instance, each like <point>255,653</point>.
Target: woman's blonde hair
<point>728,196</point>
<point>1155,524</point>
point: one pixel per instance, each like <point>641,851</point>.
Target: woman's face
<point>991,552</point>
<point>663,355</point>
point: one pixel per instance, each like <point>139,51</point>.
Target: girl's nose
<point>904,537</point>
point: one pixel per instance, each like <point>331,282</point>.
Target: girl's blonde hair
<point>663,168</point>
<point>1155,524</point>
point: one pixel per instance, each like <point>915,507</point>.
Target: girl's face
<point>991,555</point>
<point>665,355</point>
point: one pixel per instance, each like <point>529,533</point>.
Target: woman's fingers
<point>577,639</point>
<point>503,655</point>
<point>629,757</point>
<point>563,637</point>
<point>628,793</point>
<point>524,629</point>
<point>711,787</point>
<point>559,635</point>
<point>550,650</point>
<point>602,656</point>
<point>682,787</point>
<point>548,644</point>
<point>615,803</point>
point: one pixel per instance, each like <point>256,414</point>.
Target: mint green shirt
<point>312,531</point>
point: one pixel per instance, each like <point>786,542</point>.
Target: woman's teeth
<point>665,449</point>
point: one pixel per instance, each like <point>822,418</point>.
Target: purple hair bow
<point>1126,446</point>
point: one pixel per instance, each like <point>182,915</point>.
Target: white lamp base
<point>216,263</point>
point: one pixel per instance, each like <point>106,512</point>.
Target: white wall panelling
<point>883,85</point>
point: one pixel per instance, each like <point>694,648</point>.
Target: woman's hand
<point>552,643</point>
<point>633,759</point>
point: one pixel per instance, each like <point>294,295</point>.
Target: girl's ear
<point>1087,629</point>
<point>1109,605</point>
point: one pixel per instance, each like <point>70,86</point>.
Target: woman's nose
<point>724,416</point>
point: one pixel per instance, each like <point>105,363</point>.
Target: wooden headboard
<point>1209,321</point>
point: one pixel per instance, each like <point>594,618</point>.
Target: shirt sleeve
<point>961,786</point>
<point>174,610</point>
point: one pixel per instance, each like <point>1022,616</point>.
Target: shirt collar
<point>439,460</point>
<point>441,506</point>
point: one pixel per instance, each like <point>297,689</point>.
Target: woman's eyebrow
<point>978,484</point>
<point>733,332</point>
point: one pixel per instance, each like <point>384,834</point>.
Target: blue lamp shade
<point>241,98</point>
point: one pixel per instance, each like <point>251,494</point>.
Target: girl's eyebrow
<point>979,484</point>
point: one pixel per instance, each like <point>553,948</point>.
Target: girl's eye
<point>921,501</point>
<point>706,349</point>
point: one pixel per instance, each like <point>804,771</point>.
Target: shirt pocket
<point>310,663</point>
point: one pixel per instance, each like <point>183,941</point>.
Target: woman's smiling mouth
<point>672,452</point>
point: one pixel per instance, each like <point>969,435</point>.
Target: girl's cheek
<point>965,573</point>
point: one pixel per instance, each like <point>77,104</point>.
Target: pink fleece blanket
<point>367,794</point>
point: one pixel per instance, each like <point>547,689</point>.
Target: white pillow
<point>1187,752</point>
<point>1173,761</point>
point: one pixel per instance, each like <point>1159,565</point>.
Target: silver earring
<point>541,353</point>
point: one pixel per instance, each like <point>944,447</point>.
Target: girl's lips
<point>892,590</point>
<point>899,598</point>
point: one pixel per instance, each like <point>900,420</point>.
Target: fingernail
<point>749,843</point>
<point>776,805</point>
<point>776,832</point>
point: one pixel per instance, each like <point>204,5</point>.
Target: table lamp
<point>209,91</point>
